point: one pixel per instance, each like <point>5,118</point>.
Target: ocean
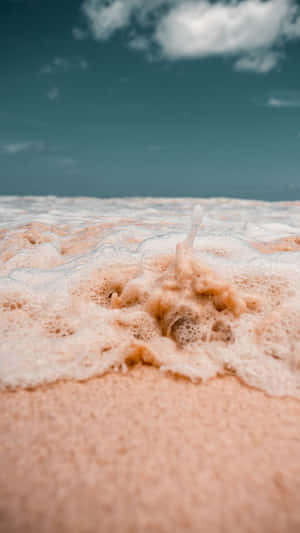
<point>195,287</point>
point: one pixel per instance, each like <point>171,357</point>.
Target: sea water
<point>195,287</point>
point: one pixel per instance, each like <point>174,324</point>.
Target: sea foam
<point>197,288</point>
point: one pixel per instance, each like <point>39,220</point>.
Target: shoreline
<point>145,452</point>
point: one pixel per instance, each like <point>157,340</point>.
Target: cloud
<point>105,18</point>
<point>204,29</point>
<point>52,154</point>
<point>252,32</point>
<point>258,62</point>
<point>53,93</point>
<point>139,43</point>
<point>25,146</point>
<point>284,99</point>
<point>62,64</point>
<point>79,34</point>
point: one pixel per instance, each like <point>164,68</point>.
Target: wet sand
<point>144,452</point>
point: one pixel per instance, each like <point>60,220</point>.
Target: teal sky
<point>100,103</point>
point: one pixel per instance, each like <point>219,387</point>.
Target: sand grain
<point>144,452</point>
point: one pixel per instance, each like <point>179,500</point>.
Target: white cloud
<point>62,64</point>
<point>253,32</point>
<point>290,100</point>
<point>202,29</point>
<point>258,62</point>
<point>79,34</point>
<point>67,164</point>
<point>139,43</point>
<point>107,17</point>
<point>53,93</point>
<point>25,146</point>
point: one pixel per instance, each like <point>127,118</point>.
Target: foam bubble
<point>197,288</point>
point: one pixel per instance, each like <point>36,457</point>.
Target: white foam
<point>90,285</point>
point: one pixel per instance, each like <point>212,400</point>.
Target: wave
<point>89,286</point>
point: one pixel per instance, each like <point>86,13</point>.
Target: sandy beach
<point>145,452</point>
<point>150,266</point>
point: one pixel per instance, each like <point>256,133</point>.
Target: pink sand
<point>145,452</point>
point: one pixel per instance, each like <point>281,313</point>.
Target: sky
<point>150,98</point>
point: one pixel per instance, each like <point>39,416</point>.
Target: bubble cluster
<point>197,288</point>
